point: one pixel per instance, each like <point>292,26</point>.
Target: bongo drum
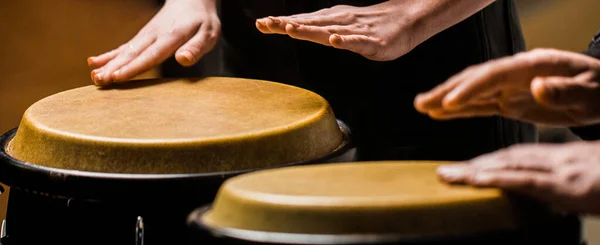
<point>365,203</point>
<point>128,163</point>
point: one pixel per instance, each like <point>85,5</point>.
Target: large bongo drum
<point>368,203</point>
<point>127,164</point>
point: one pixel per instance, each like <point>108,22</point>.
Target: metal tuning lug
<point>139,231</point>
<point>3,235</point>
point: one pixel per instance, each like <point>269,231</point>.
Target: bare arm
<point>379,32</point>
<point>432,17</point>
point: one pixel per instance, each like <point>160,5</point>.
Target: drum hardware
<point>139,231</point>
<point>3,236</point>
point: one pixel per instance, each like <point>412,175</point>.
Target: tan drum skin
<point>174,126</point>
<point>401,198</point>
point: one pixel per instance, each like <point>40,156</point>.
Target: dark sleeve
<point>591,132</point>
<point>594,48</point>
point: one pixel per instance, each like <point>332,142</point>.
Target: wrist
<point>430,17</point>
<point>210,5</point>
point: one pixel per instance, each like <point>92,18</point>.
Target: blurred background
<point>44,46</point>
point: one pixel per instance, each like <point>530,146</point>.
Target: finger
<point>536,184</point>
<point>200,44</point>
<point>261,25</point>
<point>148,59</point>
<point>96,62</point>
<point>270,25</point>
<point>321,12</point>
<point>317,20</point>
<point>523,157</point>
<point>369,47</point>
<point>95,76</point>
<point>129,53</point>
<point>517,71</point>
<point>531,157</point>
<point>564,92</point>
<point>483,110</point>
<point>275,25</point>
<point>486,79</point>
<point>524,111</point>
<point>456,173</point>
<point>432,100</point>
<point>317,34</point>
<point>475,102</point>
<point>325,17</point>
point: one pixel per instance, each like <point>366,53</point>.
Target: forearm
<point>210,5</point>
<point>434,16</point>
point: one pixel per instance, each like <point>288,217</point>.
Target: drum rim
<point>195,221</point>
<point>44,174</point>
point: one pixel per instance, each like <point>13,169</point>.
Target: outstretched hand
<point>542,86</point>
<point>380,32</point>
<point>374,32</point>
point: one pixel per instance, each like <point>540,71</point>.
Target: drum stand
<point>3,236</point>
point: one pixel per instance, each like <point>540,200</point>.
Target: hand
<point>188,28</point>
<point>566,176</point>
<point>542,86</point>
<point>379,32</point>
<point>373,32</point>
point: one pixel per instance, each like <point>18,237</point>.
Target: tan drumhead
<point>402,198</point>
<point>177,126</point>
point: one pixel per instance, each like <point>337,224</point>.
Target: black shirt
<point>376,98</point>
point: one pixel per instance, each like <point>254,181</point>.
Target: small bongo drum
<point>127,164</point>
<point>365,203</point>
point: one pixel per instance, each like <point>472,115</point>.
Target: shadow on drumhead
<point>134,84</point>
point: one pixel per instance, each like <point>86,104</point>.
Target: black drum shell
<point>76,207</point>
<point>558,232</point>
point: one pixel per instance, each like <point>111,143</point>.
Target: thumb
<point>360,44</point>
<point>563,92</point>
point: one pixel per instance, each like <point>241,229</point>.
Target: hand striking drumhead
<point>401,198</point>
<point>177,126</point>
